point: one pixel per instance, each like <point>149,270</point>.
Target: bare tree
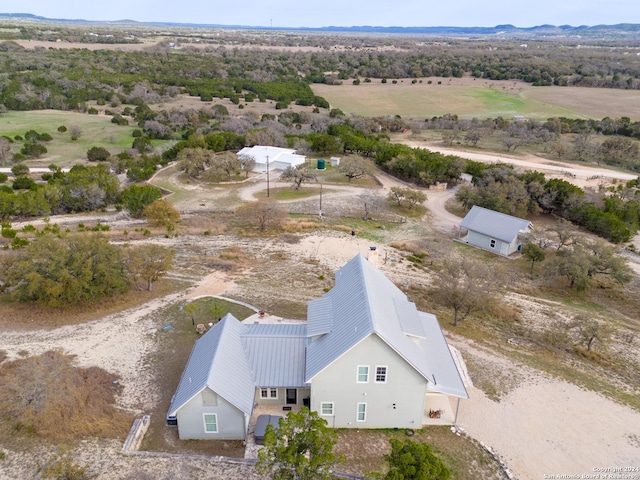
<point>464,285</point>
<point>264,214</point>
<point>356,167</point>
<point>248,163</point>
<point>76,132</point>
<point>226,163</point>
<point>5,152</point>
<point>298,175</point>
<point>371,202</point>
<point>591,331</point>
<point>566,234</point>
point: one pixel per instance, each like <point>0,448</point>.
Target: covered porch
<point>439,409</point>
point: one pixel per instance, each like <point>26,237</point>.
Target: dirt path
<point>583,176</point>
<point>546,426</point>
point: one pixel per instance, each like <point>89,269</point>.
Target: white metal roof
<point>276,157</point>
<point>276,354</point>
<point>494,224</point>
<point>218,361</point>
<point>232,359</point>
<point>366,302</point>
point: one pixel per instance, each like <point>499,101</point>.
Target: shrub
<point>62,129</point>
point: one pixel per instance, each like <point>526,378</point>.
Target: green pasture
<point>96,130</point>
<point>481,100</point>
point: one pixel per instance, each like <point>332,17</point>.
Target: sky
<point>323,13</point>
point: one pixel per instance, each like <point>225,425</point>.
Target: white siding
<point>404,387</point>
<point>231,422</point>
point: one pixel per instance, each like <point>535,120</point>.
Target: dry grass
<point>30,316</point>
<point>198,224</point>
<point>469,97</point>
<point>50,397</point>
<point>231,259</point>
<point>364,449</point>
<point>300,225</point>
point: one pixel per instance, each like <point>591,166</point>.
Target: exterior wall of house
<point>281,398</point>
<point>231,422</point>
<point>404,387</point>
<point>484,242</point>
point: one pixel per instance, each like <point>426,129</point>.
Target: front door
<point>292,396</point>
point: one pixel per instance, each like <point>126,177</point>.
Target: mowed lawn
<point>96,130</point>
<point>479,98</point>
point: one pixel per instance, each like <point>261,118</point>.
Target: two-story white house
<point>366,358</point>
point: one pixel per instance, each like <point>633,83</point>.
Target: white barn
<point>277,158</point>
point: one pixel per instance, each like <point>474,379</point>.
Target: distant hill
<point>628,31</point>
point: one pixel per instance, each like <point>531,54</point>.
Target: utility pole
<point>320,211</point>
<point>267,176</point>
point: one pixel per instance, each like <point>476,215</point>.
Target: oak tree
<point>299,448</point>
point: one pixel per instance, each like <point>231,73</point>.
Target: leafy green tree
<point>582,263</point>
<point>36,150</point>
<point>142,144</point>
<point>136,197</point>
<point>23,183</point>
<point>406,196</point>
<point>225,165</point>
<point>20,169</point>
<point>98,154</point>
<point>534,253</point>
<point>193,161</point>
<point>410,460</point>
<point>300,448</point>
<point>57,272</point>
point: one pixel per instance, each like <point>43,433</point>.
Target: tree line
<point>61,269</point>
<point>614,215</point>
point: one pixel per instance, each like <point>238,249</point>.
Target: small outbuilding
<point>273,158</point>
<point>335,161</point>
<point>494,231</point>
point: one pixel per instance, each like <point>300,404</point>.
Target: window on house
<point>326,408</point>
<point>492,243</point>
<point>363,374</point>
<point>269,393</point>
<point>381,374</point>
<point>362,412</point>
<point>210,422</point>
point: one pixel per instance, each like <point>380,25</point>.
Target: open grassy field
<point>96,130</point>
<point>468,98</point>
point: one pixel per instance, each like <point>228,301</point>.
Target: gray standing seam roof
<point>276,354</point>
<point>218,361</point>
<point>232,359</point>
<point>494,224</point>
<point>366,302</point>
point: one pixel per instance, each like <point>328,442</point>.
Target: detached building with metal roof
<point>272,158</point>
<point>366,358</point>
<point>494,231</point>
